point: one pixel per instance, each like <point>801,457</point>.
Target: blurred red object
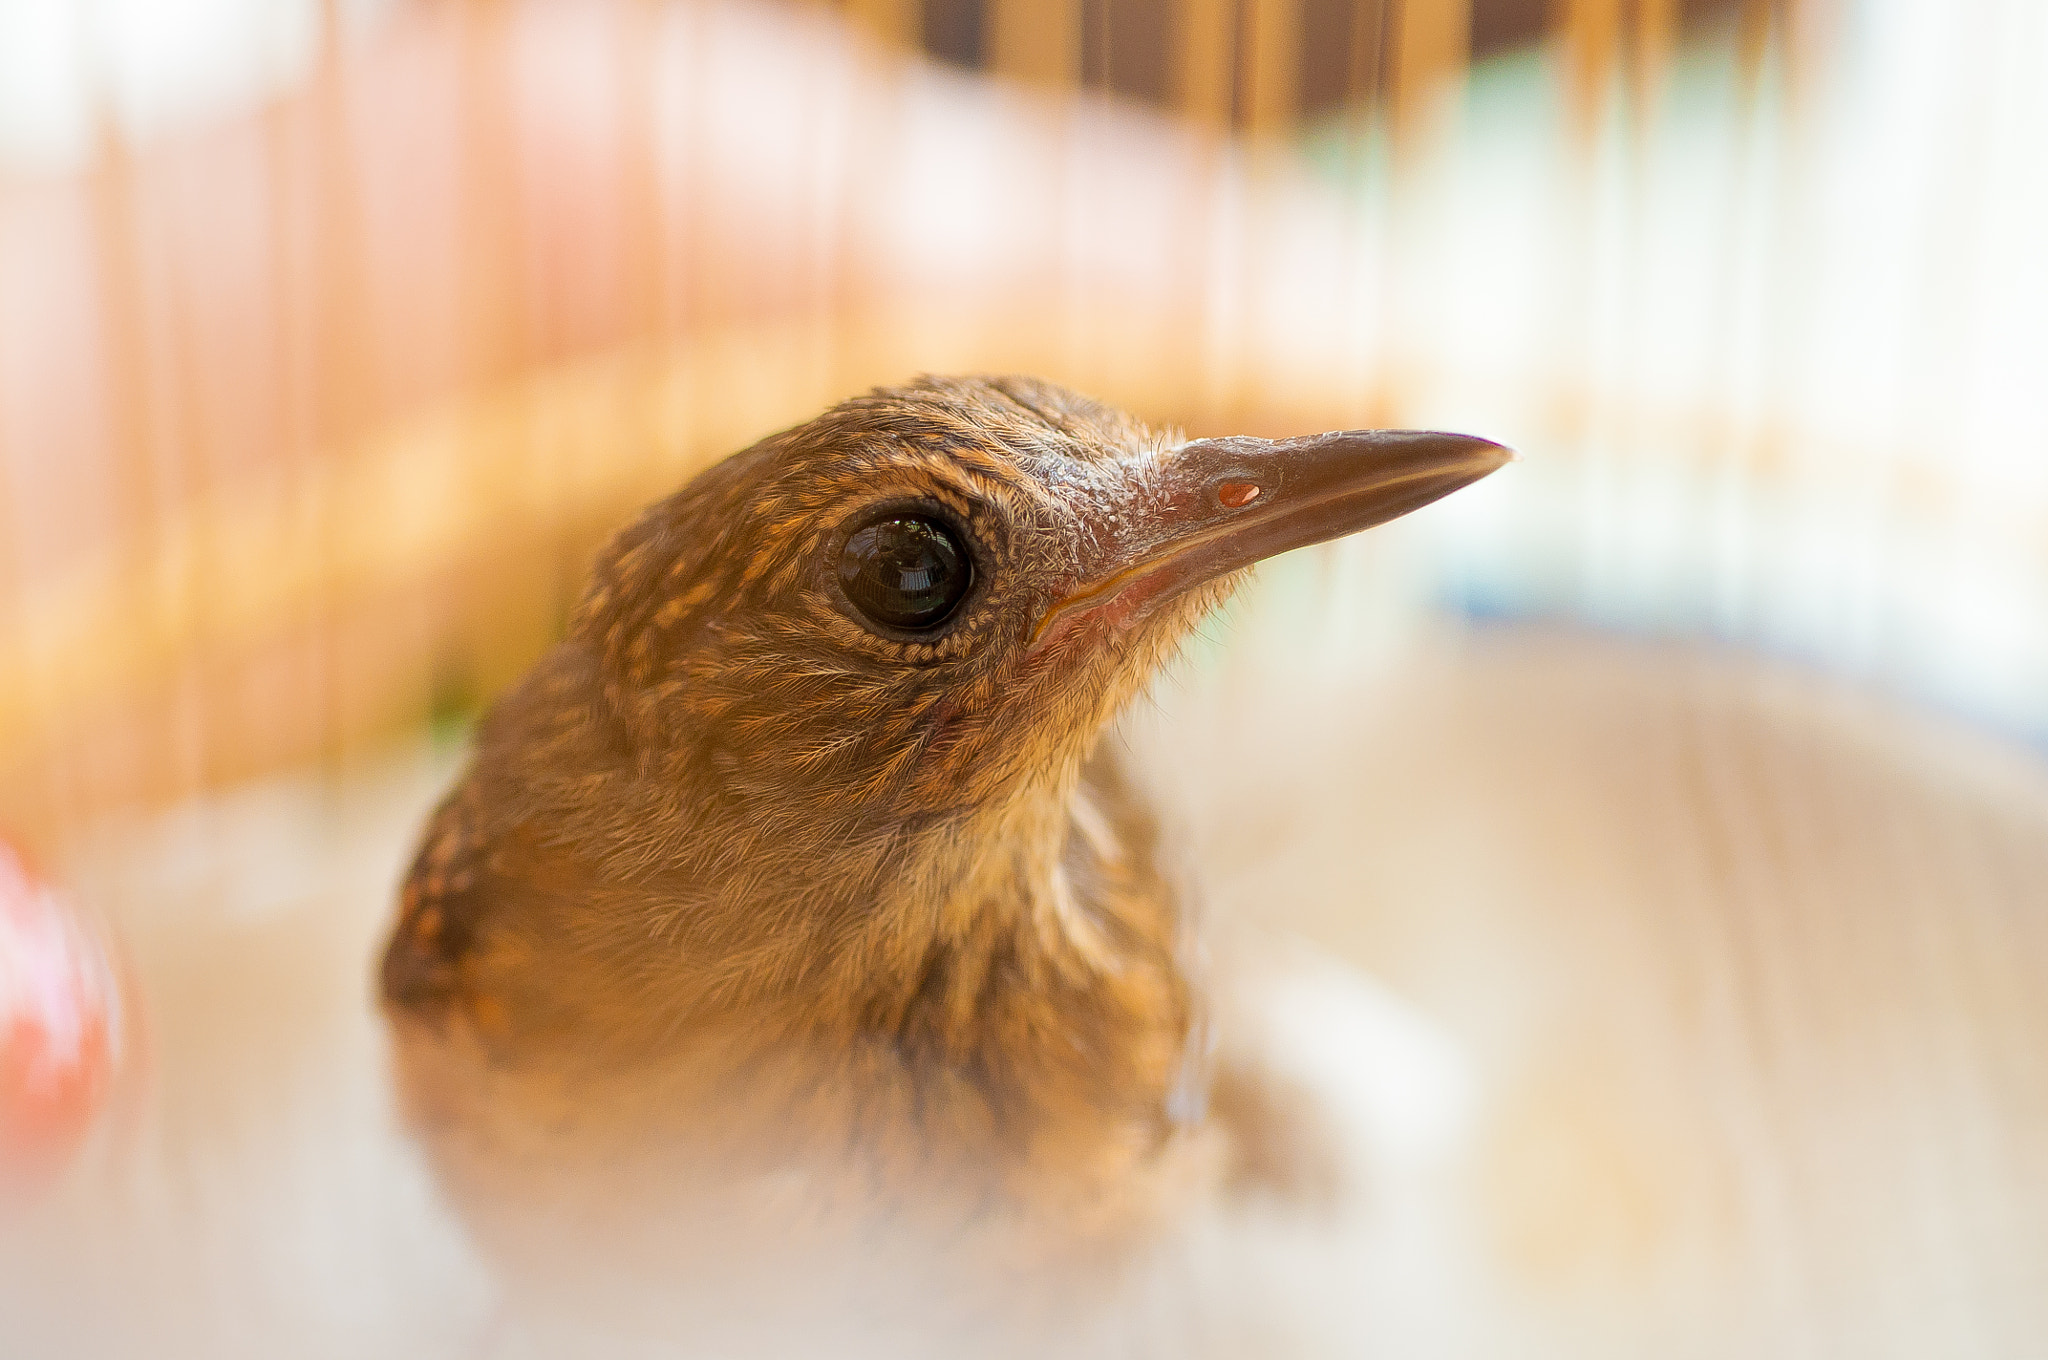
<point>60,1025</point>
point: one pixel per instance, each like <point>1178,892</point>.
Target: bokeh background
<point>335,335</point>
<point>1688,772</point>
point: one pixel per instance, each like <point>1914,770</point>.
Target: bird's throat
<point>1049,984</point>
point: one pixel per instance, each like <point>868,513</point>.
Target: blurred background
<point>335,335</point>
<point>1701,750</point>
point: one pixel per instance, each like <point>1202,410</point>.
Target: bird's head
<point>925,604</point>
<point>825,710</point>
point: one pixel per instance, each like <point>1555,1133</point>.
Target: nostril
<point>1237,495</point>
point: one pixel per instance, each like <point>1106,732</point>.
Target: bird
<point>796,969</point>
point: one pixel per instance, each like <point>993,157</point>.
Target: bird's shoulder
<point>478,861</point>
<point>494,851</point>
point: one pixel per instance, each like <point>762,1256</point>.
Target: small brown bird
<point>794,972</point>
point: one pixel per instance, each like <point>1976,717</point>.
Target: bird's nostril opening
<point>1237,495</point>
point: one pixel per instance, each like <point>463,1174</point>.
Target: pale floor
<point>1743,969</point>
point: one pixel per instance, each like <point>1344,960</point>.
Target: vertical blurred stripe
<point>1588,32</point>
<point>1204,48</point>
<point>137,471</point>
<point>1656,36</point>
<point>335,374</point>
<point>1036,40</point>
<point>896,21</point>
<point>1431,41</point>
<point>1754,30</point>
<point>1272,65</point>
<point>1697,314</point>
<point>1366,53</point>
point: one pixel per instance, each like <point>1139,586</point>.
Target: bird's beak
<point>1223,504</point>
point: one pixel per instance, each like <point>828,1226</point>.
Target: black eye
<point>905,571</point>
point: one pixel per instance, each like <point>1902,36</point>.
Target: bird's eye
<point>905,571</point>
